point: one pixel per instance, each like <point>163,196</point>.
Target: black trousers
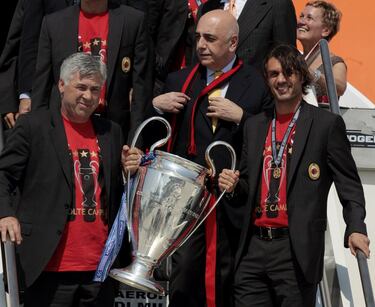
<point>70,289</point>
<point>269,276</point>
<point>187,281</point>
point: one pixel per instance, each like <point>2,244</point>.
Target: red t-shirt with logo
<point>92,38</point>
<point>272,210</point>
<point>85,233</point>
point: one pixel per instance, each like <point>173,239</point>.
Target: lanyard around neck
<point>277,156</point>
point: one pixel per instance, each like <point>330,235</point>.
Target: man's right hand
<point>24,107</point>
<point>10,225</point>
<point>172,102</point>
<point>10,119</point>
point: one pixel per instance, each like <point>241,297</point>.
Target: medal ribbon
<point>277,156</point>
<point>114,241</point>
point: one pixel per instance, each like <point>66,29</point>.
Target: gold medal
<point>314,171</point>
<point>276,172</point>
<point>125,64</point>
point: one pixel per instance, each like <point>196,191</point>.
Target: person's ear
<point>326,32</point>
<point>61,85</point>
<point>233,43</point>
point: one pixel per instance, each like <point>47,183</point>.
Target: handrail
<point>325,294</point>
<point>334,107</point>
<point>365,279</point>
<point>10,270</point>
<point>9,260</point>
<point>328,74</point>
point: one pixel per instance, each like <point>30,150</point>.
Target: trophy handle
<point>210,162</point>
<point>152,148</point>
<point>158,143</point>
<point>212,170</point>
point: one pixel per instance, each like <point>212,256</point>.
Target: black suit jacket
<point>320,138</point>
<point>171,28</point>
<point>246,88</point>
<point>263,24</point>
<point>35,10</point>
<point>126,38</point>
<point>37,159</point>
<point>8,63</point>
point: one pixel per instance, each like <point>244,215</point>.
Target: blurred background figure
<point>320,19</point>
<point>171,24</point>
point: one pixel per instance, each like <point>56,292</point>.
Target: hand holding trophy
<point>166,203</point>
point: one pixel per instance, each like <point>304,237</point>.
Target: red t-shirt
<point>272,210</point>
<point>85,233</point>
<point>92,38</point>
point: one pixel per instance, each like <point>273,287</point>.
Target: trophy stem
<point>138,275</point>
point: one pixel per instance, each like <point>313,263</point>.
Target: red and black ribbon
<point>192,149</point>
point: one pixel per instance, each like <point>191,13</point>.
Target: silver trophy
<point>166,203</point>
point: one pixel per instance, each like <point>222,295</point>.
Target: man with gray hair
<point>67,165</point>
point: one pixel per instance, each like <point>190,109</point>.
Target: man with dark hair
<point>290,158</point>
<point>67,164</point>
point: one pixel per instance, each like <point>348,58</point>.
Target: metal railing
<point>361,258</point>
<point>365,279</point>
<point>9,282</point>
<point>9,275</point>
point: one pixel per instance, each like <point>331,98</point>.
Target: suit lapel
<point>254,166</point>
<point>238,85</point>
<point>71,30</point>
<point>59,141</point>
<point>255,157</point>
<point>303,126</point>
<point>252,13</point>
<point>116,23</point>
<point>105,150</point>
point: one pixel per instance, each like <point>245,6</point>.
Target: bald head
<point>217,39</point>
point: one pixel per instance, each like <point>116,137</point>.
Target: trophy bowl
<point>167,201</point>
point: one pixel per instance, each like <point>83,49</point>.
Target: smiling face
<point>310,26</point>
<point>80,97</point>
<point>216,41</point>
<point>287,89</point>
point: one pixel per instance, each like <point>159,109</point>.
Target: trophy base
<point>136,281</point>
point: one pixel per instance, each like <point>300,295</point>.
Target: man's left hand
<point>224,109</point>
<point>359,241</point>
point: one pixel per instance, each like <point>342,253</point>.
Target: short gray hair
<point>85,64</point>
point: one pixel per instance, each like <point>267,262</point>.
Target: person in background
<point>9,101</point>
<point>318,20</point>
<point>171,25</point>
<point>290,158</point>
<point>115,33</point>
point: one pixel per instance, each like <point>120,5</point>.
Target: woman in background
<point>320,19</point>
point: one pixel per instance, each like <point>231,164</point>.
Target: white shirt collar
<point>211,73</point>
